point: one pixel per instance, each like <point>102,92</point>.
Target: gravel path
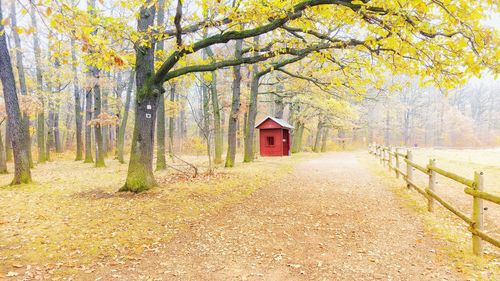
<point>330,219</point>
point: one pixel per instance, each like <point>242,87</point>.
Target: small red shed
<point>275,137</point>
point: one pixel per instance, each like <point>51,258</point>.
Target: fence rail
<point>391,158</point>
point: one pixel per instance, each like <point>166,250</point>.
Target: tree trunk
<point>99,141</point>
<point>161,162</point>
<point>3,160</point>
<point>40,129</point>
<point>118,97</point>
<point>217,125</point>
<point>182,124</point>
<point>22,79</point>
<point>105,128</point>
<point>171,123</point>
<point>78,108</point>
<point>279,106</point>
<point>235,107</point>
<point>22,173</point>
<point>123,124</point>
<point>324,139</point>
<point>252,114</point>
<point>140,171</point>
<point>341,135</point>
<point>57,132</point>
<point>317,139</point>
<point>387,137</point>
<point>88,128</point>
<point>50,131</point>
<point>297,138</point>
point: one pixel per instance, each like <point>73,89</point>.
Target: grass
<point>465,162</point>
<point>71,218</point>
<point>443,225</point>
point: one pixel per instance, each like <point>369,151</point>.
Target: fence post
<point>409,168</point>
<point>477,213</point>
<point>432,184</point>
<point>397,162</point>
<point>389,155</point>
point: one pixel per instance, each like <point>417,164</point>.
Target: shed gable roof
<point>280,122</point>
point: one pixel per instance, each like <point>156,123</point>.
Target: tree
<point>40,130</point>
<point>393,51</point>
<point>140,172</point>
<point>123,123</point>
<point>78,107</point>
<point>20,71</point>
<point>22,173</point>
<point>96,91</point>
<point>235,107</point>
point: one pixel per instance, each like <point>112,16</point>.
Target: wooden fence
<point>392,158</point>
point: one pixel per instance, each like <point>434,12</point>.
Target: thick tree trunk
<point>78,108</point>
<point>252,114</point>
<point>22,173</point>
<point>123,124</point>
<point>40,129</point>
<point>235,107</point>
<point>140,171</point>
<point>21,77</point>
<point>3,160</point>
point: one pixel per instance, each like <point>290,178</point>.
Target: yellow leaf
<point>6,21</point>
<point>48,12</point>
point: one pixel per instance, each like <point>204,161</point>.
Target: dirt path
<point>328,220</point>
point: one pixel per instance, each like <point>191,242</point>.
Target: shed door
<point>286,142</point>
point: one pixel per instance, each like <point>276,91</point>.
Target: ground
<point>334,217</point>
<point>328,220</point>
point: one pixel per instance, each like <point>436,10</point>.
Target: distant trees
<point>426,116</point>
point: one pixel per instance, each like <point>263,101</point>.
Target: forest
<point>154,102</point>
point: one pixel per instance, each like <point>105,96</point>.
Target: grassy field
<point>71,219</point>
<point>465,161</point>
